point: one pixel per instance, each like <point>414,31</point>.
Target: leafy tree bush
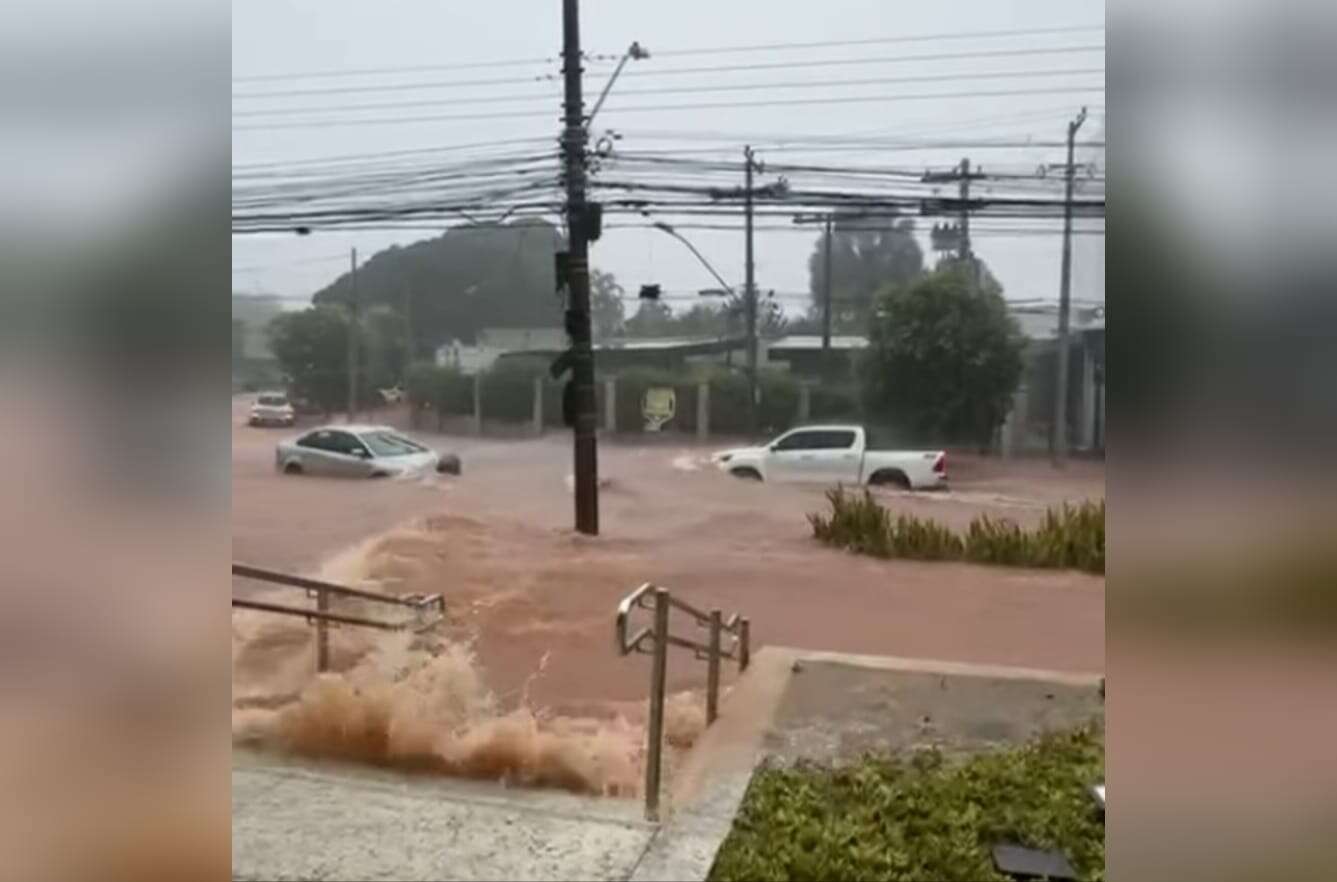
<point>944,359</point>
<point>1069,537</point>
<point>311,347</point>
<point>867,254</point>
<point>443,389</point>
<point>923,816</point>
<point>508,389</point>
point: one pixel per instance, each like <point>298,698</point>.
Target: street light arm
<point>633,51</point>
<point>660,225</point>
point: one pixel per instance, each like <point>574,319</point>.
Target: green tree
<point>867,255</point>
<point>606,310</point>
<point>945,357</point>
<point>311,347</point>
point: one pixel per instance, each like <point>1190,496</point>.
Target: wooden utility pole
<point>1059,430</point>
<point>586,464</point>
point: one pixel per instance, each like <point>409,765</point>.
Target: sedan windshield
<point>390,444</point>
<point>272,401</point>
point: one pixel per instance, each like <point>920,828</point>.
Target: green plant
<point>923,817</point>
<point>1068,537</point>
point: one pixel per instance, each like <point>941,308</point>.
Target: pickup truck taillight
<point>940,465</point>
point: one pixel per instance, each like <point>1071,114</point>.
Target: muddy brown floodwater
<point>534,602</point>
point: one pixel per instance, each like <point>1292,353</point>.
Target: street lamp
<point>633,51</point>
<point>668,228</point>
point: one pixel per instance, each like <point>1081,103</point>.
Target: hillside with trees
<point>469,278</point>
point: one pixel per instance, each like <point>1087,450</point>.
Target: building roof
<point>814,341</point>
<point>1039,321</point>
<point>659,343</point>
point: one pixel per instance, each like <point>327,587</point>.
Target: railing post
<point>538,406</point>
<point>655,730</point>
<point>322,633</point>
<point>703,411</point>
<point>744,647</point>
<point>713,668</point>
<point>478,403</point>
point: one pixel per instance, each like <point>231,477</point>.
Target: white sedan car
<point>359,452</point>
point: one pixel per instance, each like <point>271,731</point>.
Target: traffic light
<point>569,404</point>
<point>593,221</point>
<point>649,292</point>
<point>562,268</point>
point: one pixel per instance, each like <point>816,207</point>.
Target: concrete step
<point>316,821</point>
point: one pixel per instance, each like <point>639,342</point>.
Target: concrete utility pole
<point>963,244</point>
<point>963,175</point>
<point>826,297</point>
<point>352,337</point>
<point>750,293</point>
<point>586,465</point>
<point>1059,430</point>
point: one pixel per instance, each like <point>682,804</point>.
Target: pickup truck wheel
<point>746,474</point>
<point>890,478</point>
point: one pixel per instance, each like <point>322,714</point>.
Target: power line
<point>682,71</point>
<point>718,105</point>
<point>917,38</point>
<point>388,87</point>
<point>378,71</point>
<point>339,158</point>
<point>886,59</point>
<point>678,90</point>
<point>669,53</point>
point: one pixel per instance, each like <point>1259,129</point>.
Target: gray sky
<point>279,37</point>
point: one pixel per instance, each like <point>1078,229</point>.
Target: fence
<point>522,397</point>
<point>655,641</point>
<point>427,610</point>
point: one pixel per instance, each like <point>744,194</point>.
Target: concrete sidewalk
<point>293,820</point>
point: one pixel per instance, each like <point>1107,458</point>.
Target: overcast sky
<point>283,37</point>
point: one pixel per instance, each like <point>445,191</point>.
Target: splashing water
<point>420,702</point>
<point>413,710</point>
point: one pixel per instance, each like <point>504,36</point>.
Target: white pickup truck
<point>831,455</point>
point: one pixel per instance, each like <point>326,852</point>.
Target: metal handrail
<point>421,605</point>
<point>655,641</point>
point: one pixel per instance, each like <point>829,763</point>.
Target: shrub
<point>1068,537</point>
<point>508,389</point>
<point>834,405</point>
<point>921,816</point>
<point>444,389</point>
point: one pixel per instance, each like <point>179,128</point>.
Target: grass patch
<point>921,818</point>
<point>1068,537</point>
